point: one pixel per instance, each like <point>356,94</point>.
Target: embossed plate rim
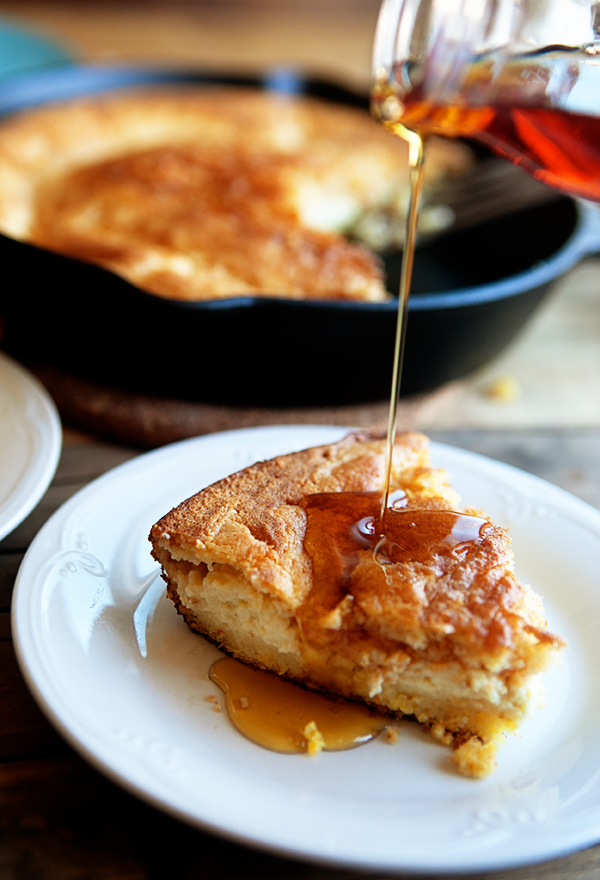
<point>35,452</point>
<point>80,597</point>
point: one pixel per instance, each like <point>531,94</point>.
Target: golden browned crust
<point>455,639</point>
<point>251,519</point>
<point>208,192</point>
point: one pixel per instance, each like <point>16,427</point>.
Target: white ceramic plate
<point>30,443</point>
<point>125,681</point>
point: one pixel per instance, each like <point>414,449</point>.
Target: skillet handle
<point>590,240</point>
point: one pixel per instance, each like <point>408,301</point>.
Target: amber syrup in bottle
<point>541,112</point>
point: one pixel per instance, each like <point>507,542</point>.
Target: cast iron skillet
<point>472,292</point>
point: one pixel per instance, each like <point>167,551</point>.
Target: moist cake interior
<point>443,630</point>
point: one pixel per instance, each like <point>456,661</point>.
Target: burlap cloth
<point>146,421</point>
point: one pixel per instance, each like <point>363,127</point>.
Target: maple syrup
<point>284,717</point>
<point>539,111</point>
<point>416,161</point>
<point>341,526</point>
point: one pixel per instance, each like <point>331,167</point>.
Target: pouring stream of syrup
<point>273,712</point>
<point>416,161</point>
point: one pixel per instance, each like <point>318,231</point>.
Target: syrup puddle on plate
<point>282,716</point>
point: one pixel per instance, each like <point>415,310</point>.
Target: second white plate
<point>126,682</point>
<point>30,443</point>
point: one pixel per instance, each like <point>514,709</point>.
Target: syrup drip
<point>275,713</point>
<point>343,525</point>
<point>418,535</point>
<point>341,528</point>
<point>416,160</point>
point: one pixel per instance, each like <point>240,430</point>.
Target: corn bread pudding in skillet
<point>209,192</point>
<point>282,566</point>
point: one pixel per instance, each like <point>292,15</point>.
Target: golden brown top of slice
<point>458,600</point>
<point>252,520</point>
<point>208,191</point>
<point>438,581</point>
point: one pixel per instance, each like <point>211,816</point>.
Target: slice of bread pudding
<point>282,565</point>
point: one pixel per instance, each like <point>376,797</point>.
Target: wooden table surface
<point>59,818</point>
